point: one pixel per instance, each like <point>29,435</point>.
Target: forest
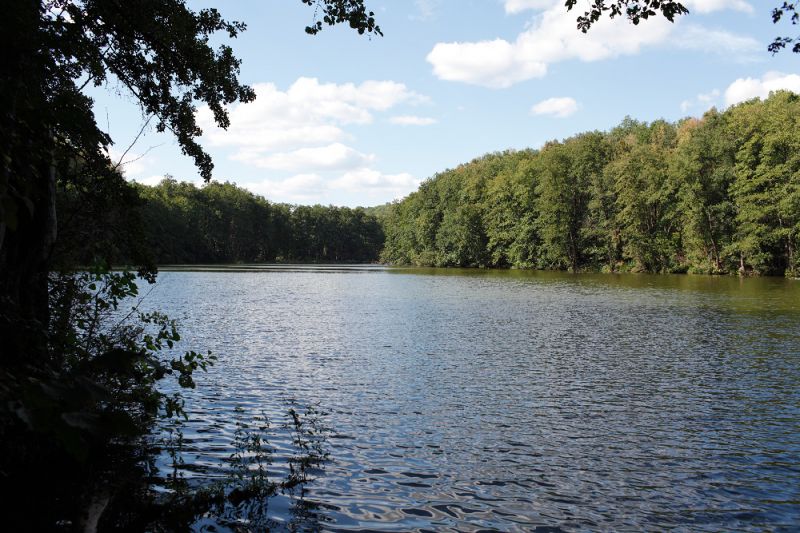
<point>718,194</point>
<point>714,195</point>
<point>223,223</point>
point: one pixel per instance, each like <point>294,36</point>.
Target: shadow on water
<point>259,483</point>
<point>754,293</point>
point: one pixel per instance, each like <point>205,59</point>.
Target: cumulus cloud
<point>703,100</point>
<point>311,188</point>
<point>552,37</point>
<point>518,6</point>
<point>412,120</point>
<point>747,88</point>
<point>300,135</point>
<point>496,64</point>
<point>374,182</point>
<point>301,188</point>
<point>427,10</point>
<point>695,6</point>
<point>130,164</point>
<point>557,107</point>
<point>709,6</point>
<point>307,113</point>
<point>695,37</point>
<point>149,180</point>
<point>334,156</point>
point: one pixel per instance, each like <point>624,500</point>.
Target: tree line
<point>715,195</point>
<point>719,194</point>
<point>223,223</point>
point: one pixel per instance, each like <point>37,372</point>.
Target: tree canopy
<point>719,194</point>
<point>74,387</point>
<point>223,223</point>
<point>637,11</point>
<point>158,52</point>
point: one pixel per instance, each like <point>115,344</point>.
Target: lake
<point>508,400</point>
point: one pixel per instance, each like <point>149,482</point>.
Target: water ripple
<point>510,401</point>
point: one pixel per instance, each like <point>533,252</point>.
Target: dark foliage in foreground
<point>79,364</point>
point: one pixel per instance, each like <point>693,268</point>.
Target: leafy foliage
<point>352,12</point>
<point>634,10</point>
<point>637,11</point>
<point>255,473</point>
<point>714,195</point>
<point>87,418</point>
<point>77,376</point>
<point>223,223</point>
<point>787,10</point>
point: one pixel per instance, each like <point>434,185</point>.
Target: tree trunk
<point>717,260</point>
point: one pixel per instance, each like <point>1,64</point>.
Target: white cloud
<point>302,131</point>
<point>702,100</point>
<point>376,184</point>
<point>518,6</point>
<point>744,89</point>
<point>131,164</point>
<point>695,6</point>
<point>747,88</point>
<point>552,37</point>
<point>412,120</point>
<point>707,98</point>
<point>709,6</point>
<point>301,188</point>
<point>427,9</point>
<point>301,136</point>
<point>557,107</point>
<point>308,113</point>
<point>695,37</point>
<point>149,180</point>
<point>334,156</point>
<point>310,188</point>
<point>496,64</point>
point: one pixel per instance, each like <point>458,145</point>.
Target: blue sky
<point>347,120</point>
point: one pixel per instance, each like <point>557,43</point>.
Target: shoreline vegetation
<point>714,195</point>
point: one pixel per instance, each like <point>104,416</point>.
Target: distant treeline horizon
<point>221,222</point>
<point>718,194</point>
<point>180,223</point>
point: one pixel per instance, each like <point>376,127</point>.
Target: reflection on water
<point>510,400</point>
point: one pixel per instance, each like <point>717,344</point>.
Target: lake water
<point>506,400</point>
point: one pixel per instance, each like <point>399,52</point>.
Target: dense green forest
<point>178,222</point>
<point>221,222</point>
<point>719,194</point>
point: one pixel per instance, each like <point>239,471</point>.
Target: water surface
<point>507,400</point>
